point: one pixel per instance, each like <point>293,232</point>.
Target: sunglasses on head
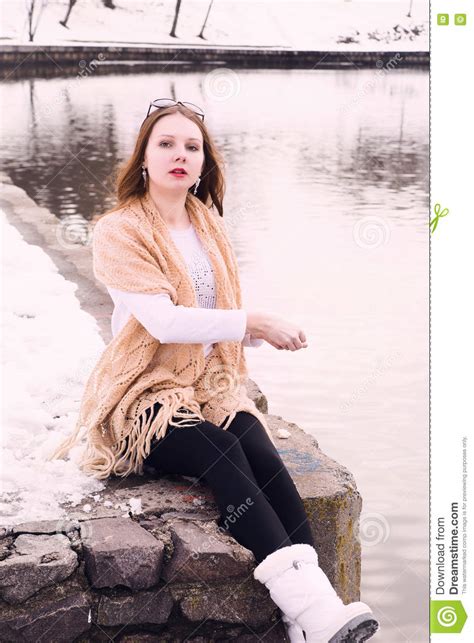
<point>160,103</point>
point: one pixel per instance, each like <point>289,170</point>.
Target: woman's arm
<point>170,323</point>
<point>250,340</point>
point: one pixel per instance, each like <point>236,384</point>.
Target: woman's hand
<point>276,331</point>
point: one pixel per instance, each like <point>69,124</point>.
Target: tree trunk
<point>175,21</point>
<point>201,33</point>
<point>69,9</point>
<point>30,8</point>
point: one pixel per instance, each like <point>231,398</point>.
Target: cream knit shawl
<point>134,251</point>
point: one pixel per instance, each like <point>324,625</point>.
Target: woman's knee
<point>220,448</point>
<point>219,438</point>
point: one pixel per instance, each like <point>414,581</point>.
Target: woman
<point>169,390</point>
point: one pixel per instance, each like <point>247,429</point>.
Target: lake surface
<point>327,208</point>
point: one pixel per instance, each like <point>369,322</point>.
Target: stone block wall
<point>169,572</point>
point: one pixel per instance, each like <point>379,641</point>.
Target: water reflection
<point>327,175</point>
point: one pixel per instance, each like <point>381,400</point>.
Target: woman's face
<point>175,142</point>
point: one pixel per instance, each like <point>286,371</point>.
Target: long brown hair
<point>128,181</point>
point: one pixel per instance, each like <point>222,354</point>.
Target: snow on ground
<point>346,25</point>
<point>50,346</point>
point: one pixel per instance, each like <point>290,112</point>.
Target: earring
<point>197,185</point>
<point>144,175</point>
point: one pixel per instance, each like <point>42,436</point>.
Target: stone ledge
<point>170,572</point>
<point>32,59</point>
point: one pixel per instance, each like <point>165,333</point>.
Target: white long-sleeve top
<point>183,324</point>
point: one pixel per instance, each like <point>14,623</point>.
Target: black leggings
<point>256,496</point>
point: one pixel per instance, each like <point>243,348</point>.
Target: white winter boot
<point>303,592</point>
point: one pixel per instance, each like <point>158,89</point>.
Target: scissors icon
<point>439,214</point>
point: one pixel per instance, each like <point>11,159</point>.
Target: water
<point>327,208</point>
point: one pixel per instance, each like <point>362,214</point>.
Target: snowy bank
<point>49,347</point>
<point>321,25</point>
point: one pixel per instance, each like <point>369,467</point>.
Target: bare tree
<point>69,9</point>
<point>175,21</point>
<point>201,33</point>
<point>109,4</point>
<point>31,5</point>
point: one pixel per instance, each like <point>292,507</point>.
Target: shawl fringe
<point>127,455</point>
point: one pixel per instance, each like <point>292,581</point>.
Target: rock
<point>171,493</point>
<point>202,554</point>
<point>37,561</point>
<point>254,392</point>
<point>64,526</point>
<point>6,547</point>
<point>5,532</point>
<point>143,637</point>
<point>152,606</point>
<point>117,551</point>
<point>184,515</point>
<point>274,634</point>
<point>55,615</point>
<point>240,602</point>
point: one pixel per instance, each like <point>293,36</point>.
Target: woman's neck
<point>172,209</point>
